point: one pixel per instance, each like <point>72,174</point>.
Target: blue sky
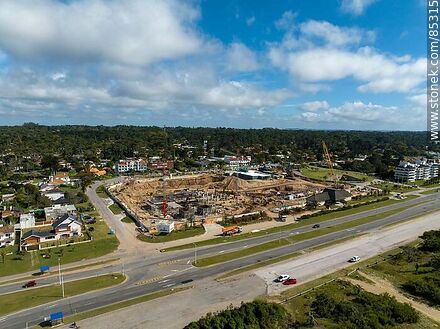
<point>323,64</point>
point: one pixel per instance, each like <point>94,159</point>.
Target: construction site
<point>193,200</point>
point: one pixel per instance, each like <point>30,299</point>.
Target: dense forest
<point>127,141</point>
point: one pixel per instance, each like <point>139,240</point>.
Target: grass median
<point>305,222</point>
<point>221,258</point>
<point>16,301</point>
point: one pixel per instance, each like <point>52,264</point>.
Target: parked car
<point>354,259</point>
<point>91,221</point>
<point>282,278</point>
<point>316,226</point>
<point>29,284</point>
<point>289,281</point>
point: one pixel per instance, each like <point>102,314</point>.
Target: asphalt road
<point>137,271</point>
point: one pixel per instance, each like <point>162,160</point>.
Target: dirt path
<point>383,286</point>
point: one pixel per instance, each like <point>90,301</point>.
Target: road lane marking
<point>148,281</point>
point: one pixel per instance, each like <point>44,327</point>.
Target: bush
<point>428,288</point>
<point>255,315</point>
<point>365,311</point>
<point>431,241</point>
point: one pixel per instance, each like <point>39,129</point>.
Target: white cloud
<point>125,31</point>
<point>240,58</point>
<point>250,21</point>
<point>286,21</point>
<point>314,106</point>
<point>356,7</point>
<point>378,72</point>
<point>333,35</point>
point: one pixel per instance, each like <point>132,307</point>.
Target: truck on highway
<point>230,230</point>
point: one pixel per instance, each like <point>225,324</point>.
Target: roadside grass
<point>174,235</point>
<point>127,220</point>
<point>302,223</point>
<point>117,306</point>
<point>33,297</point>
<point>115,209</point>
<point>212,260</point>
<point>65,270</point>
<point>395,187</point>
<point>279,259</point>
<point>101,192</point>
<point>324,173</point>
<point>431,191</point>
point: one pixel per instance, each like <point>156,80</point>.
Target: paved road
<point>137,271</point>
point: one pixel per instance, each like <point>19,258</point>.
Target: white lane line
<point>163,281</point>
<point>169,285</point>
<point>221,251</point>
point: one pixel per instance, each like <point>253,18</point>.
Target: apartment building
<point>123,166</point>
<point>237,162</point>
<point>419,170</point>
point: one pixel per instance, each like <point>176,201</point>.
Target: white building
<point>54,194</point>
<point>420,170</point>
<point>236,162</point>
<point>165,226</point>
<point>27,220</point>
<point>58,210</point>
<point>7,236</point>
<point>131,165</point>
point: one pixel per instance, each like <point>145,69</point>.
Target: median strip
<point>221,258</point>
<point>16,301</point>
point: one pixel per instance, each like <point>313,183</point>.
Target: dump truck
<point>230,230</point>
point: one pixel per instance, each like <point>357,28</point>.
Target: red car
<point>29,284</point>
<point>289,282</point>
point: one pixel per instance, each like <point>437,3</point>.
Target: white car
<point>282,278</point>
<point>354,259</point>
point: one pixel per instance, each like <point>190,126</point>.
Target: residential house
<point>7,236</point>
<point>131,165</point>
<point>67,226</point>
<point>61,178</point>
<point>54,194</point>
<point>32,239</point>
<point>8,197</point>
<point>58,210</point>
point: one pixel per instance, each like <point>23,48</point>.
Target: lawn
<point>33,297</point>
<point>101,192</point>
<point>395,187</point>
<point>175,235</point>
<point>102,244</point>
<point>115,209</point>
<point>127,220</point>
<point>294,239</point>
<point>324,173</point>
<point>310,221</point>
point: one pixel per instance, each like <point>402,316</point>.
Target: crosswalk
<point>149,281</point>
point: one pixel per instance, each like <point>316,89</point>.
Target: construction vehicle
<point>230,230</point>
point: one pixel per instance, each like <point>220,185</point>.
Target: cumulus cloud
<point>318,52</point>
<point>356,7</point>
<point>286,21</point>
<point>126,31</point>
<point>333,35</point>
<point>240,58</point>
<point>314,106</point>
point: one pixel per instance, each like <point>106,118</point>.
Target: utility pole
<point>62,285</point>
<point>59,270</point>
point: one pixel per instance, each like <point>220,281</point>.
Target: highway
<point>137,270</point>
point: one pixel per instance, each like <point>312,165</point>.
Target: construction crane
<point>165,196</point>
<point>330,164</point>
